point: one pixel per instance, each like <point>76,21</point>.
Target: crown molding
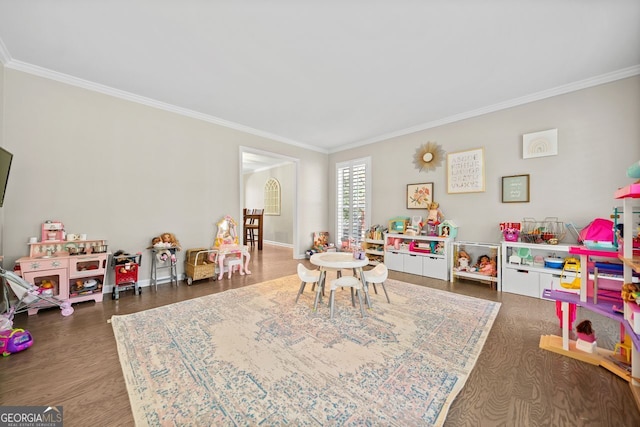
<point>117,93</point>
<point>560,90</point>
<point>5,58</point>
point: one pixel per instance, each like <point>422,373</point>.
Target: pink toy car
<point>14,340</point>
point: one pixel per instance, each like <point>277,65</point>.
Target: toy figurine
<point>585,331</point>
<point>586,337</point>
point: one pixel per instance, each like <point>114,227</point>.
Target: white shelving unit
<point>531,279</point>
<point>374,249</point>
<point>475,250</point>
<point>418,261</point>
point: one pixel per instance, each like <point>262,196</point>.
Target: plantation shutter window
<point>353,195</point>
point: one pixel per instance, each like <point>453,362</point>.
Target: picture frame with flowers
<point>419,196</point>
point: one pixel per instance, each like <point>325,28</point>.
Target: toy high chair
<point>230,253</point>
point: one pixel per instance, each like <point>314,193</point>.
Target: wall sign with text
<point>515,189</point>
<point>465,171</point>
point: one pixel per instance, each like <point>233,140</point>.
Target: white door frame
<point>296,162</point>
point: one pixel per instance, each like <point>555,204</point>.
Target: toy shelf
<point>374,249</point>
<point>421,261</point>
<point>477,249</point>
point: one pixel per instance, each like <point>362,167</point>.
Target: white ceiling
<point>325,75</point>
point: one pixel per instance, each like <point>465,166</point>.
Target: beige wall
<point>126,172</point>
<point>599,137</point>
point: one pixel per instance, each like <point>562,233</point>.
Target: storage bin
<point>197,265</point>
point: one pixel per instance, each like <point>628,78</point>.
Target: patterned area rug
<point>252,356</point>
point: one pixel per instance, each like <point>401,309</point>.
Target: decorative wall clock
<point>428,157</point>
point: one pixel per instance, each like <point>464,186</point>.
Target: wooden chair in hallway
<point>253,226</point>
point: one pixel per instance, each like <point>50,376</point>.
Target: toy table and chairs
<point>338,260</point>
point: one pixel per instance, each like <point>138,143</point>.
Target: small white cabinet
<point>475,251</point>
<point>524,271</point>
<point>420,255</point>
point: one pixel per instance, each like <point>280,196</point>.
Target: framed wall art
<point>515,189</point>
<point>419,196</point>
<point>465,171</point>
<point>540,144</point>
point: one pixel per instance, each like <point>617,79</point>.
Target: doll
<point>486,266</point>
<point>435,215</point>
<point>163,243</point>
<point>464,261</point>
<point>169,239</point>
<point>585,331</point>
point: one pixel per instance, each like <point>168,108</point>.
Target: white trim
<point>5,57</point>
<point>284,245</point>
<point>560,90</point>
<point>296,198</point>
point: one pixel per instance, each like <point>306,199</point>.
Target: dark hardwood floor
<point>74,363</point>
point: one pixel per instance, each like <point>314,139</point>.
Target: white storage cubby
<point>476,250</point>
<point>374,249</point>
<point>420,255</point>
<point>529,277</point>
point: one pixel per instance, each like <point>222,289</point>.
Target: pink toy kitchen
<point>68,266</point>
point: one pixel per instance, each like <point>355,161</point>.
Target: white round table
<point>338,260</point>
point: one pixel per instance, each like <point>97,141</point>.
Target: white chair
<point>307,276</point>
<point>377,275</point>
<point>346,282</point>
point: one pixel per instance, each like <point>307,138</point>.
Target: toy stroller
<point>29,296</point>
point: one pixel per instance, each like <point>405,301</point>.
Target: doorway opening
<point>256,167</point>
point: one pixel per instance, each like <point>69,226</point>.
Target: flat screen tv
<point>5,166</point>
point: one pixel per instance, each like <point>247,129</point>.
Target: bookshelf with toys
<point>373,244</point>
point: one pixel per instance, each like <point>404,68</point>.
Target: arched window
<point>272,197</point>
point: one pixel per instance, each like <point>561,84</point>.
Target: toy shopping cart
<point>126,268</point>
<point>30,298</point>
